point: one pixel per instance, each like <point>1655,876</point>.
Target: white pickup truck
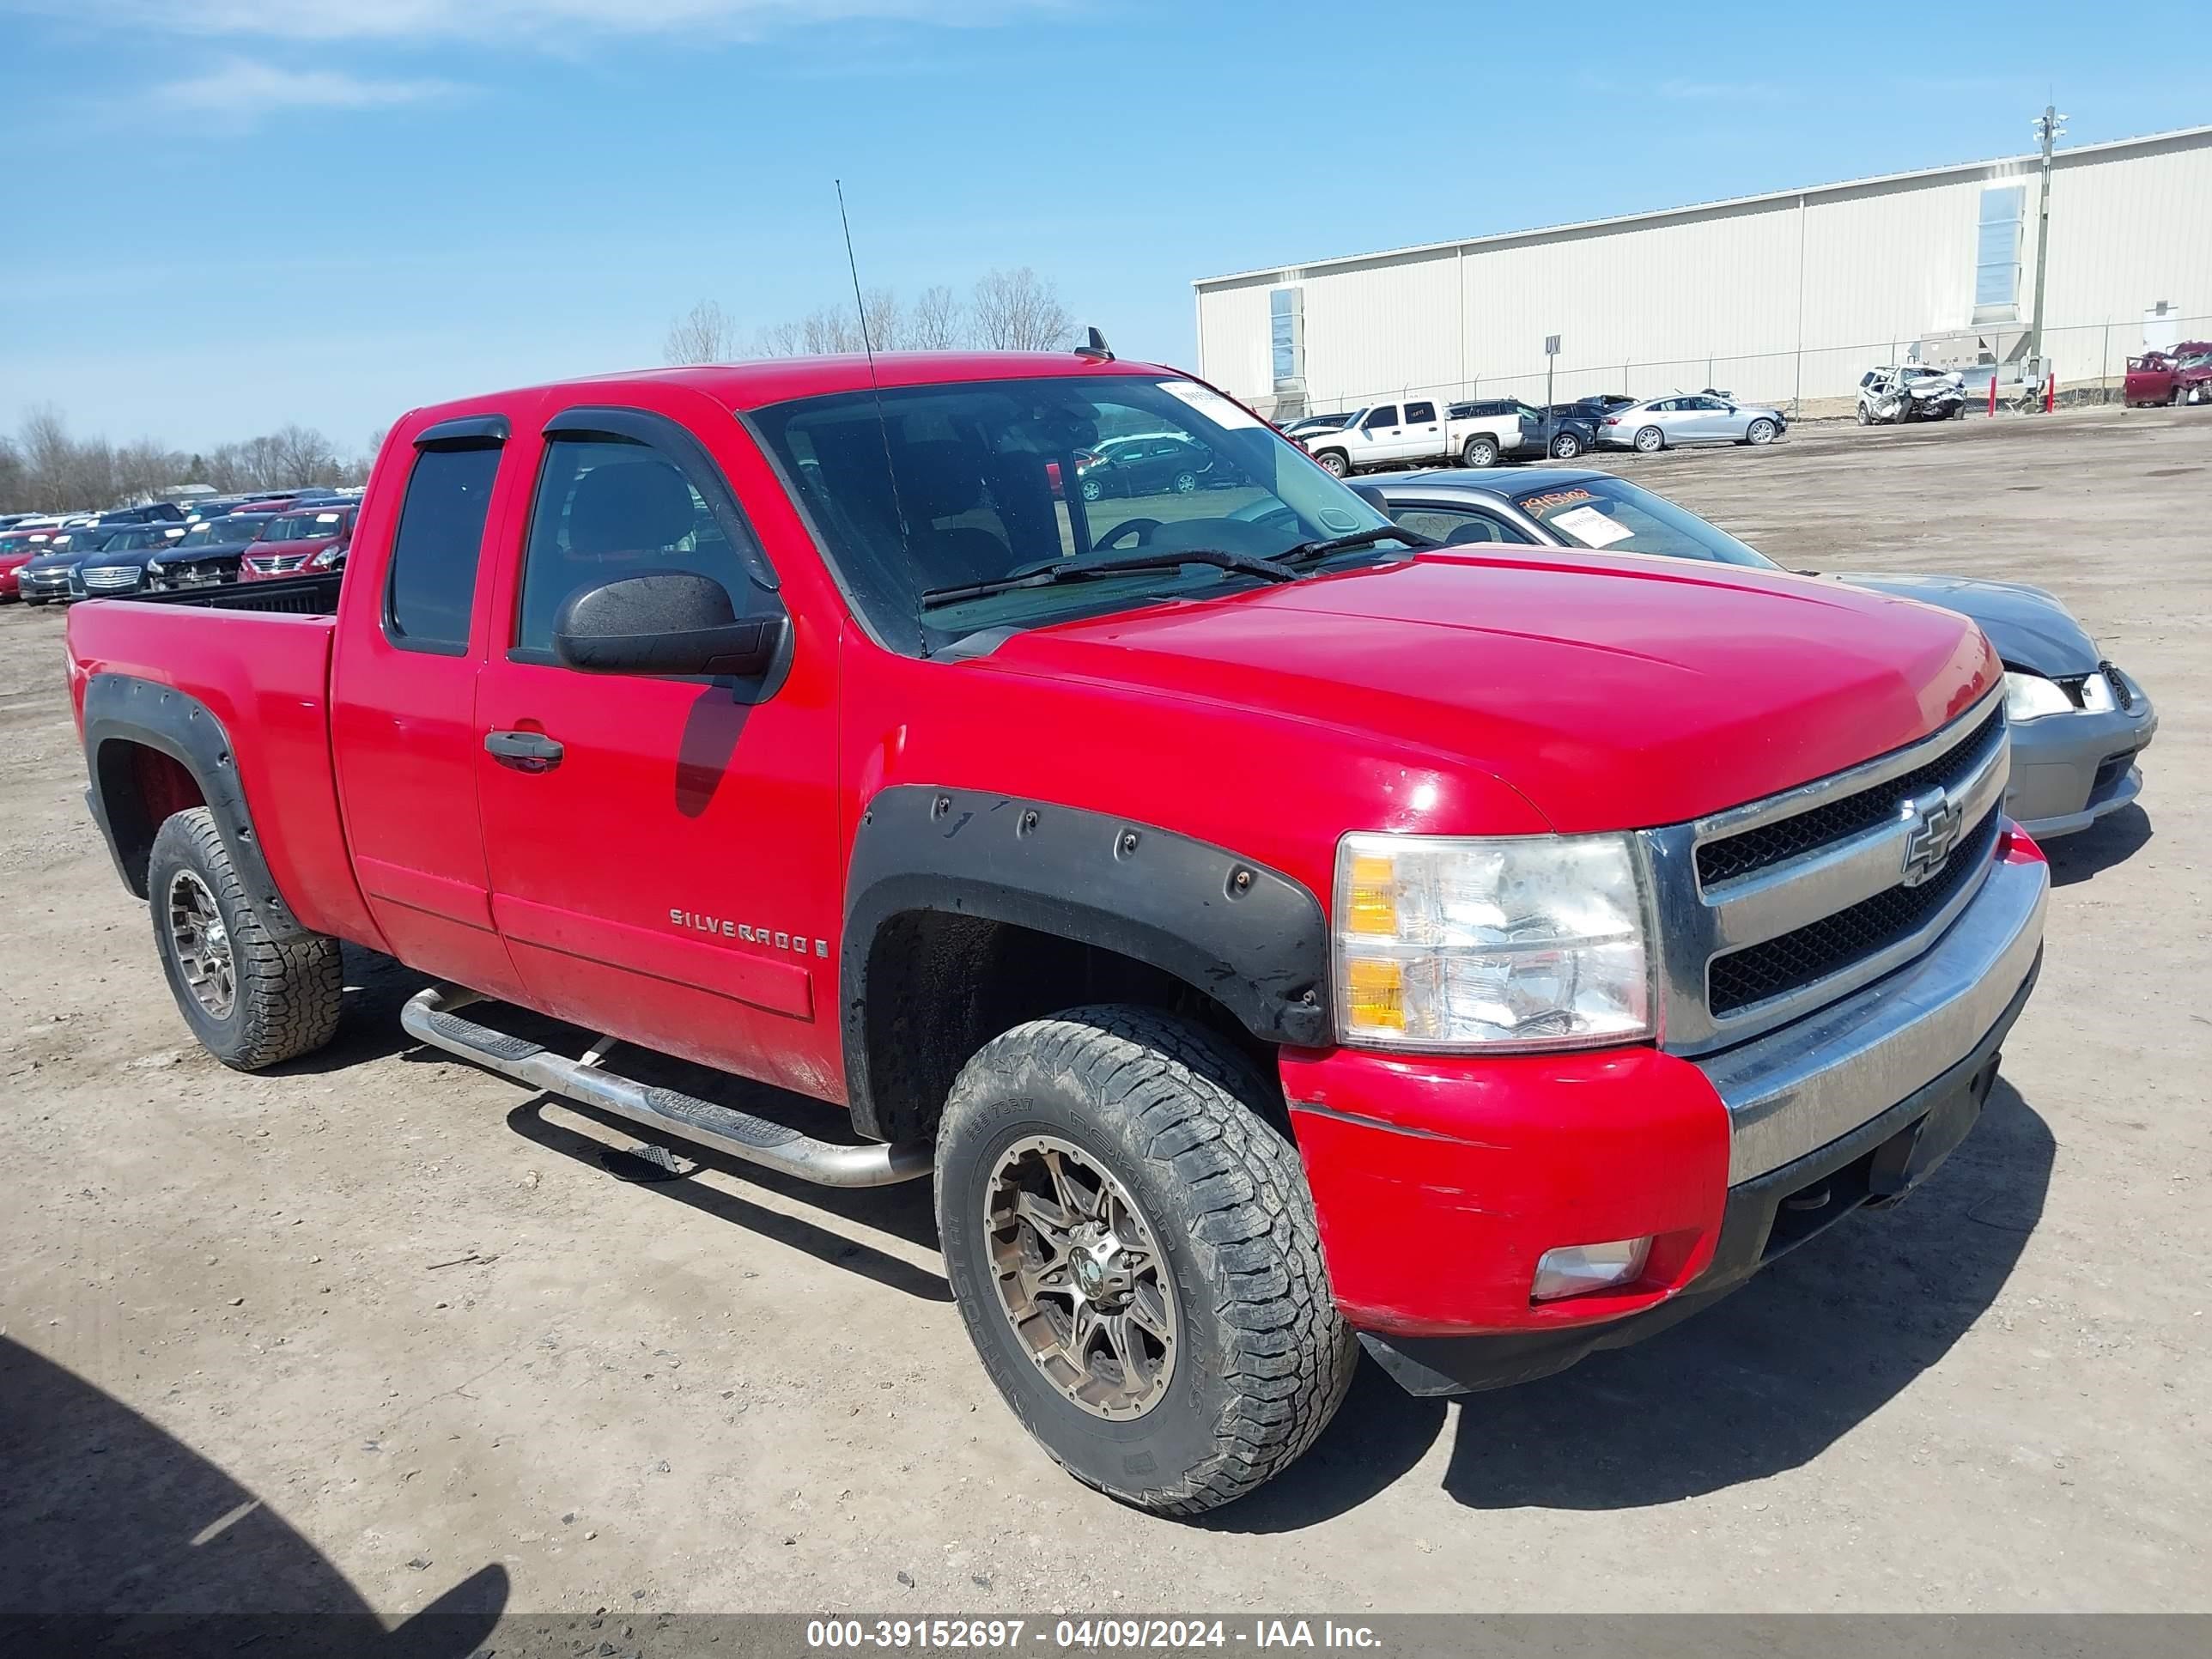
<point>1420,431</point>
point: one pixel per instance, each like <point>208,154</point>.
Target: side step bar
<point>429,1016</point>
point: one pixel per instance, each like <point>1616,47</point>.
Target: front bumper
<point>1438,1182</point>
<point>43,585</point>
<point>2070,769</point>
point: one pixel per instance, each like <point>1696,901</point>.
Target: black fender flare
<point>121,708</point>
<point>1249,936</point>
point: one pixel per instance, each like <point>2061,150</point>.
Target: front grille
<point>1770,844</point>
<point>272,567</point>
<point>2113,678</point>
<point>1810,953</point>
<point>111,579</point>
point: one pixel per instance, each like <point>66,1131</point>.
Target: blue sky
<point>230,214</point>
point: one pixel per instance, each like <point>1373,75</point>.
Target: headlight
<point>2031,696</point>
<point>1460,942</point>
<point>153,567</point>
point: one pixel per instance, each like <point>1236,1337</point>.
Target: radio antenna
<point>875,386</point>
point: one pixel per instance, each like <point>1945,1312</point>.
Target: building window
<point>1996,254</point>
<point>1286,335</point>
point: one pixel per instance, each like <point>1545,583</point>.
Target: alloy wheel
<point>201,941</point>
<point>1080,1277</point>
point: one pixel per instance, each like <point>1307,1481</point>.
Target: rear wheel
<point>1479,451</point>
<point>251,999</point>
<point>1566,447</point>
<point>1650,439</point>
<point>1134,1251</point>
<point>1185,483</point>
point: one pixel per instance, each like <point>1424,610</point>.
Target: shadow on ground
<point>116,1537</point>
<point>1760,1384</point>
<point>2105,844</point>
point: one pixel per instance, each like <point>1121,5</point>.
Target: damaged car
<point>1890,396</point>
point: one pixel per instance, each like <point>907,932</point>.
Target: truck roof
<point>775,380</point>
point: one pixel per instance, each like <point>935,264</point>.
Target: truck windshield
<point>960,485</point>
<point>1610,513</point>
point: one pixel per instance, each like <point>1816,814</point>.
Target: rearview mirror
<point>671,622</point>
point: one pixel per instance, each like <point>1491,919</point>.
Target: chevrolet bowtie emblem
<point>1932,823</point>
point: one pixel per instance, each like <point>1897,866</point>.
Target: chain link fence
<point>2089,360</point>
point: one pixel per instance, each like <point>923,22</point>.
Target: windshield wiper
<point>1245,564</point>
<point>1305,551</point>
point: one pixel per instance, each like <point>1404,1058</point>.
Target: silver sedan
<point>1701,417</point>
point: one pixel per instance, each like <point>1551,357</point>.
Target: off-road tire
<point>1176,1115</point>
<point>288,992</point>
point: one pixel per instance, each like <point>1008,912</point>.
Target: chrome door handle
<point>527,751</point>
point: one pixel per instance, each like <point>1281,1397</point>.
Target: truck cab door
<point>404,736</point>
<point>1378,438</point>
<point>663,851</point>
<point>1422,433</point>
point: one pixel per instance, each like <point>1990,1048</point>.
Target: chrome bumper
<point>1797,1088</point>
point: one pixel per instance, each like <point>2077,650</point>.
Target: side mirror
<point>672,622</point>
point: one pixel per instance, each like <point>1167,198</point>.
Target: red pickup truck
<point>1274,933</point>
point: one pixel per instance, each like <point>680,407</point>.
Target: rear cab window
<point>430,589</point>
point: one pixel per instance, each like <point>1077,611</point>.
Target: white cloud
<point>241,90</point>
<point>538,22</point>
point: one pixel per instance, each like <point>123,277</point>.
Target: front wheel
<point>1650,439</point>
<point>1333,463</point>
<point>1134,1251</point>
<point>1761,431</point>
<point>1092,490</point>
<point>27,599</point>
<point>252,1000</point>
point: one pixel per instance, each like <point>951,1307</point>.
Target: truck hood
<point>1610,692</point>
<point>2029,627</point>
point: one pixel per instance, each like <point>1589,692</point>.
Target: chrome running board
<point>430,1016</point>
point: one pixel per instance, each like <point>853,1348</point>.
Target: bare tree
<point>886,323</point>
<point>705,334</point>
<point>783,340</point>
<point>935,322</point>
<point>1019,310</point>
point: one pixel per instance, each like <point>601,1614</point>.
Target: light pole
<point>2050,126</point>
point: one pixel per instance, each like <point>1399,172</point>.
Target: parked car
<point>149,512</point>
<point>1562,437</point>
<point>1897,393</point>
<point>1411,434</point>
<point>17,549</point>
<point>1145,463</point>
<point>2079,724</point>
<point>305,540</point>
<point>2183,375</point>
<point>1307,426</point>
<point>1695,418</point>
<point>947,819</point>
<point>119,566</point>
<point>207,554</point>
<point>45,578</point>
<point>1595,407</point>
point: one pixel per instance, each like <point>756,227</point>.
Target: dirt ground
<point>378,1326</point>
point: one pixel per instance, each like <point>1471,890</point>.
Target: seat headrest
<point>630,507</point>
<point>938,478</point>
<point>1481,529</point>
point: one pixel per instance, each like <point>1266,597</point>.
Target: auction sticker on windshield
<point>1591,527</point>
<point>1211,404</point>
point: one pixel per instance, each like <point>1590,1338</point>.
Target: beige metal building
<point>1785,298</point>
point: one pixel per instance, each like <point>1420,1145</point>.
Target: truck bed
<point>256,659</point>
<point>302,596</point>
